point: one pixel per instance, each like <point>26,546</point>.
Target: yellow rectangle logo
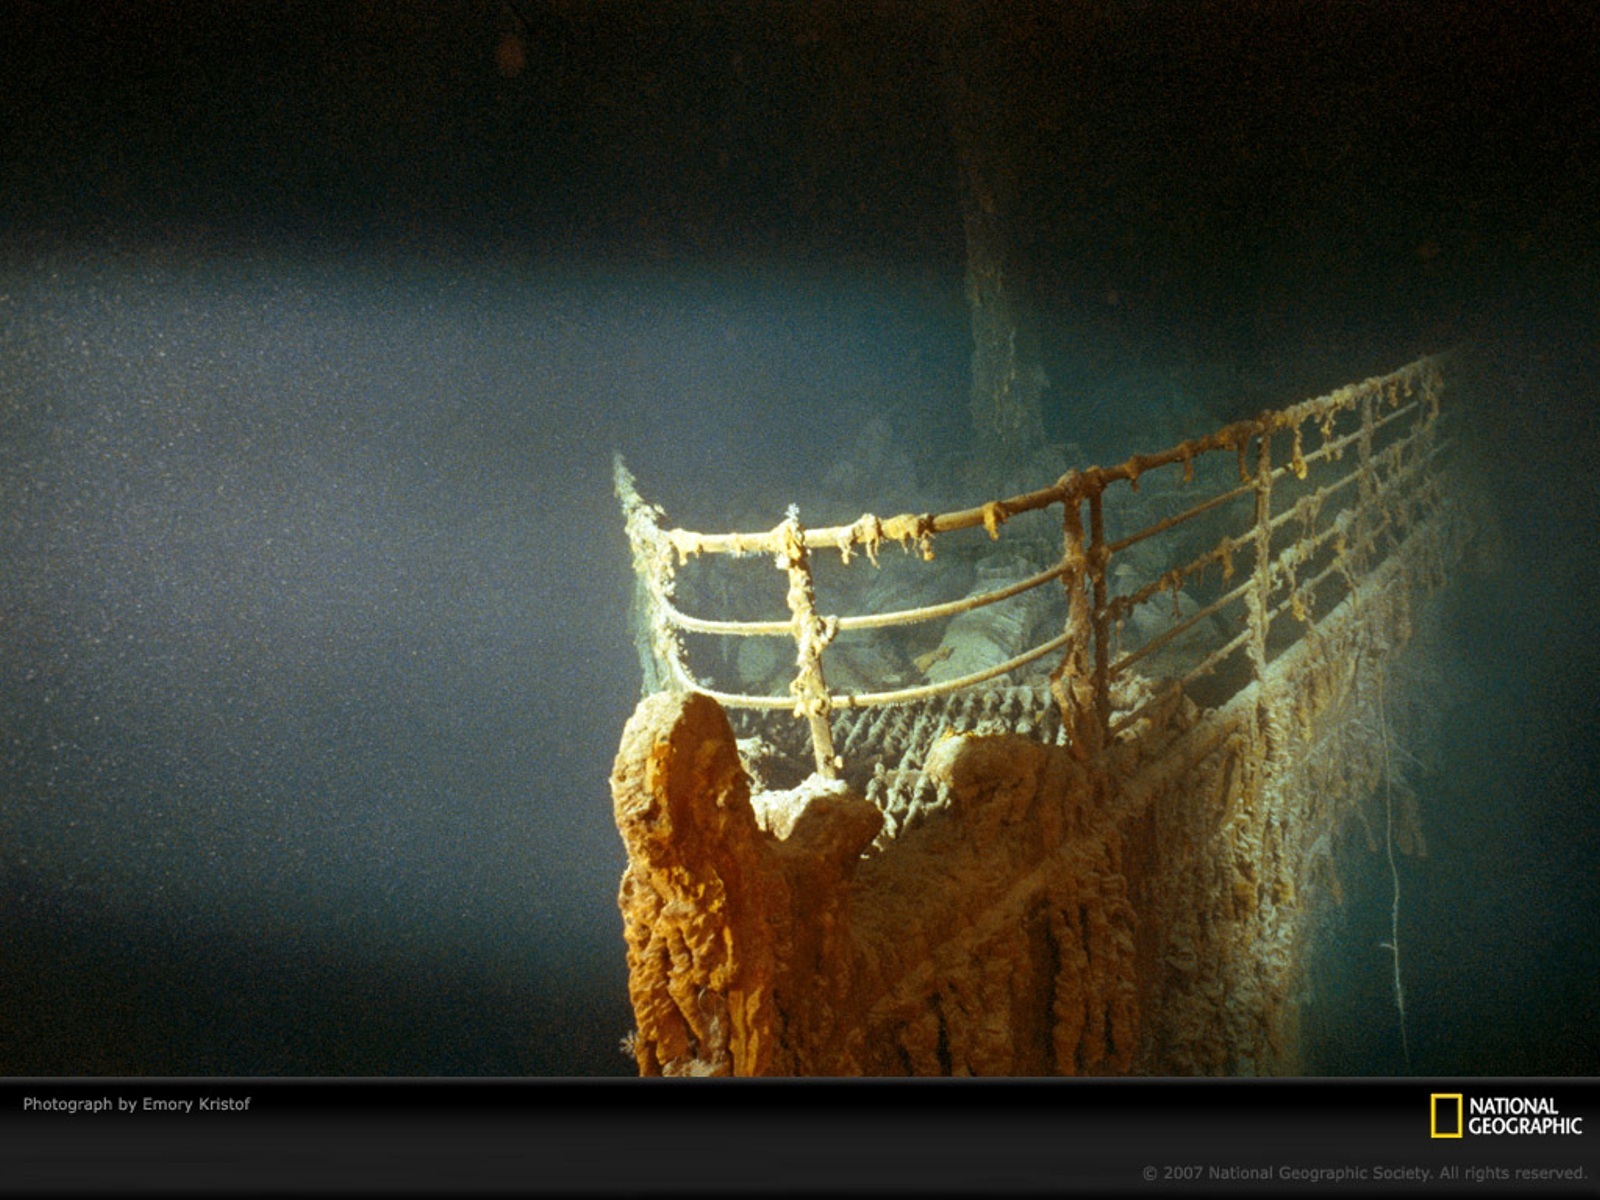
<point>1449,1105</point>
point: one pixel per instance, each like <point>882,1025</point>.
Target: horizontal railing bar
<point>1394,450</point>
<point>1232,436</point>
<point>1336,447</point>
<point>870,531</point>
<point>1316,498</point>
<point>727,628</point>
<point>905,616</point>
<point>905,695</point>
<point>1161,526</point>
<point>1395,414</point>
<point>1316,581</point>
<point>1238,711</point>
<point>953,607</point>
<point>1182,627</point>
<point>901,696</point>
<point>1120,606</point>
<point>1209,663</point>
<point>1326,450</point>
<point>1314,541</point>
<point>1231,646</point>
<point>739,700</point>
<point>1287,468</point>
<point>1332,450</point>
<point>1229,437</point>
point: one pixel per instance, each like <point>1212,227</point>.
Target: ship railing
<point>1297,527</point>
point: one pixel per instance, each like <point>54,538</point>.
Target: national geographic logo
<point>1455,1115</point>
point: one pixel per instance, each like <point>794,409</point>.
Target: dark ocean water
<point>1500,922</point>
<point>316,657</point>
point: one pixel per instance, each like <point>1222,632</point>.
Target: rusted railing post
<point>1430,492</point>
<point>1365,527</point>
<point>1259,604</point>
<point>1271,726</point>
<point>1425,431</point>
<point>811,635</point>
<point>1072,683</point>
<point>1098,559</point>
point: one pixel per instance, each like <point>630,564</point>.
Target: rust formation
<point>1095,850</point>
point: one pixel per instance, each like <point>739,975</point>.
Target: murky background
<point>319,327</point>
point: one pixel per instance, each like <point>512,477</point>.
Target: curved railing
<point>1298,528</point>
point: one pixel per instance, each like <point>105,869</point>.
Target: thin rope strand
<point>1393,944</point>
